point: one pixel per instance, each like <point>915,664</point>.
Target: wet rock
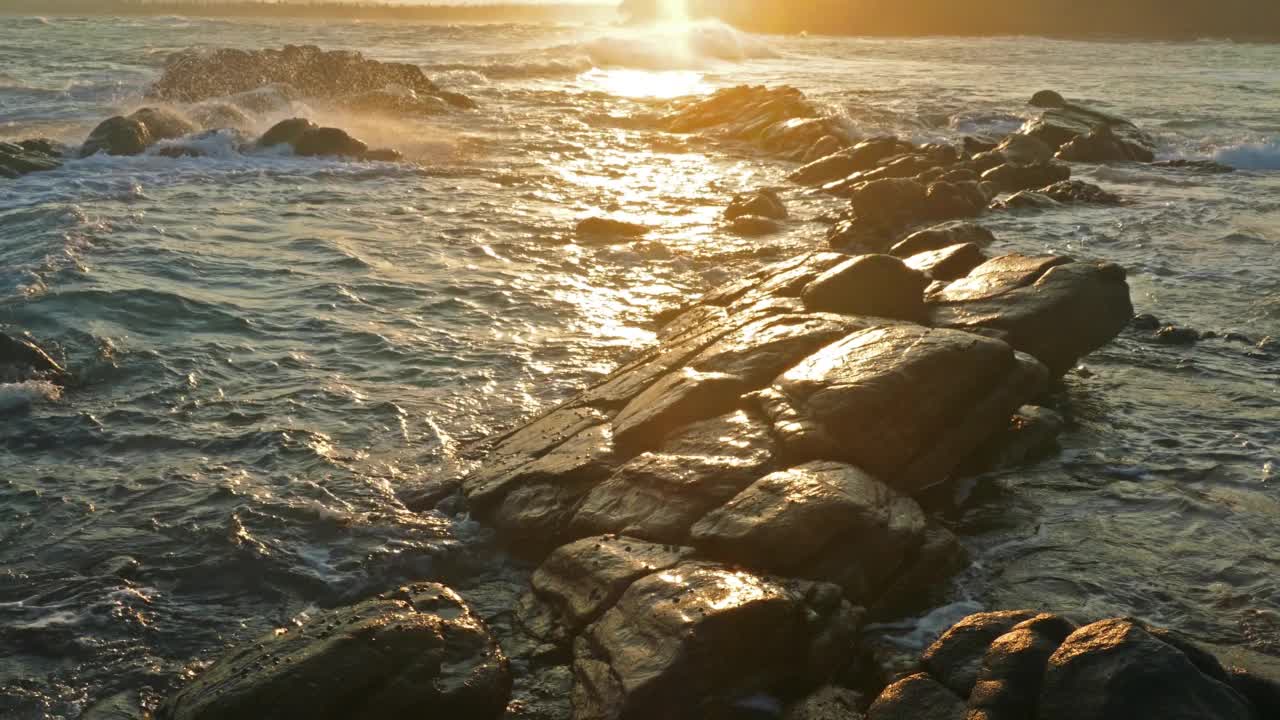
<point>1115,669</point>
<point>314,73</point>
<point>1204,167</point>
<point>918,585</point>
<point>821,520</point>
<point>1063,192</point>
<point>390,102</point>
<point>1031,435</point>
<point>830,702</point>
<point>578,582</point>
<point>749,113</point>
<point>1012,178</point>
<point>419,647</point>
<point>200,143</point>
<point>955,659</point>
<point>1047,99</point>
<point>18,159</point>
<point>948,263</point>
<point>1062,122</point>
<point>658,496</point>
<point>117,136</point>
<point>326,141</point>
<point>754,226</point>
<point>1174,335</point>
<point>1100,145</point>
<point>22,359</point>
<point>382,155</point>
<point>916,697</point>
<point>826,146</point>
<point>1262,693</point>
<point>1050,307</point>
<point>1145,321</point>
<point>696,639</point>
<point>949,200</point>
<point>1009,682</point>
<point>761,203</point>
<point>163,124</point>
<point>1025,150</point>
<point>887,400</point>
<point>430,494</point>
<point>684,396</point>
<point>875,285</point>
<point>596,230</point>
<point>286,132</point>
<point>943,236</point>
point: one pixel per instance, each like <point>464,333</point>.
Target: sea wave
<point>675,46</point>
<point>1264,155</point>
<point>21,395</point>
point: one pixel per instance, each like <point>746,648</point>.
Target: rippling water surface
<point>274,350</point>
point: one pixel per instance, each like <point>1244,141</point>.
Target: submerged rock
<point>118,136</point>
<point>1206,167</point>
<point>420,648</point>
<point>29,156</point>
<point>600,229</point>
<point>754,226</point>
<point>323,141</point>
<point>1062,122</point>
<point>22,359</point>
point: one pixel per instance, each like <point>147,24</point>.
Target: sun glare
<point>647,83</point>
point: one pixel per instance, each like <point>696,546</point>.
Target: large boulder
<point>162,123</point>
<point>863,156</point>
<point>118,136</point>
<point>1117,669</point>
<point>821,520</point>
<point>1008,685</point>
<point>417,650</point>
<point>697,639</point>
<point>1012,178</point>
<point>1051,307</point>
<point>601,230</point>
<point>1062,122</point>
<point>875,285</point>
<point>1024,150</point>
<point>948,263</point>
<point>955,659</point>
<point>286,132</point>
<point>916,697</point>
<point>890,400</point>
<point>942,236</point>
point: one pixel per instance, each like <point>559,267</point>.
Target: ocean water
<point>273,351</point>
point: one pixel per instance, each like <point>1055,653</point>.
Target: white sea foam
<point>16,396</point>
<point>674,46</point>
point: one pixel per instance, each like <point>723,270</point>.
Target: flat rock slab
<point>890,401</point>
<point>395,656</point>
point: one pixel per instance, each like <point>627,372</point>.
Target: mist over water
<point>274,351</point>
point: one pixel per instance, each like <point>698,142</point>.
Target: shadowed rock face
<point>691,640</point>
<point>1013,665</point>
<point>395,656</point>
<point>28,156</point>
<point>118,136</point>
<point>22,359</point>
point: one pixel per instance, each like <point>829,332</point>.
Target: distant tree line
<point>498,12</point>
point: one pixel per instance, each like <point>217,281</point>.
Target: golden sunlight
<point>647,83</point>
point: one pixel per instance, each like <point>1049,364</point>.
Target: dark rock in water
<point>876,285</point>
<point>1116,669</point>
<point>1008,684</point>
<point>1101,145</point>
<point>1206,167</point>
<point>286,132</point>
<point>658,496</point>
<point>1055,309</point>
<point>326,141</point>
<point>762,203</point>
<point>1173,335</point>
<point>456,99</point>
<point>974,145</point>
<point>163,124</point>
<point>194,145</point>
<point>694,640</point>
<point>754,226</point>
<point>388,102</point>
<point>821,520</point>
<point>955,659</point>
<point>1032,434</point>
<point>118,136</point>
<point>1012,178</point>
<point>1145,321</point>
<point>950,200</point>
<point>430,494</point>
<point>684,396</point>
<point>943,236</point>
<point>202,74</point>
<point>916,697</point>
<point>830,702</point>
<point>22,359</point>
<point>949,263</point>
<point>29,156</point>
<point>888,401</point>
<point>826,146</point>
<point>597,229</point>
<point>382,155</point>
<point>43,146</point>
<point>1264,694</point>
<point>418,648</point>
<point>1062,122</point>
<point>1047,99</point>
<point>1079,191</point>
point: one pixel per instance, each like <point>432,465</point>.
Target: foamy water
<point>275,350</point>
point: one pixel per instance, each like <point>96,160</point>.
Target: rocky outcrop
<point>341,75</point>
<point>1081,133</point>
<point>28,156</point>
<point>163,124</point>
<point>418,649</point>
<point>761,203</point>
<point>310,140</point>
<point>777,120</point>
<point>118,135</point>
<point>1022,664</point>
<point>600,230</point>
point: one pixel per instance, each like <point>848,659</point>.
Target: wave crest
<point>682,46</point>
<point>1263,155</point>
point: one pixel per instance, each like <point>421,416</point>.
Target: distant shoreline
<point>328,10</point>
